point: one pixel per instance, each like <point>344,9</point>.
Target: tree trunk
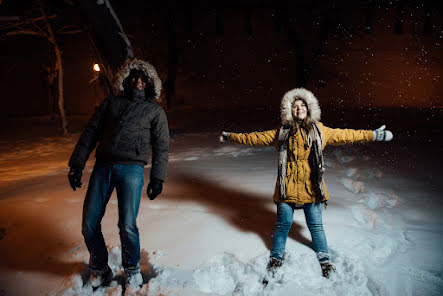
<point>50,75</point>
<point>59,67</point>
<point>61,99</point>
<point>110,43</point>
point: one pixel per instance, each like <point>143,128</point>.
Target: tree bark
<point>109,41</point>
<point>59,67</point>
<point>61,99</point>
<point>51,74</point>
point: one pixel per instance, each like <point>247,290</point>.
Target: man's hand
<point>75,177</point>
<point>224,137</point>
<point>381,134</point>
<point>154,188</point>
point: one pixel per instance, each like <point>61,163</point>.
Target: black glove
<point>154,188</point>
<point>75,177</point>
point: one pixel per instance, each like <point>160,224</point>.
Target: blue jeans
<point>128,181</point>
<point>285,214</point>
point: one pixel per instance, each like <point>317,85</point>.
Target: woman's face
<point>299,110</point>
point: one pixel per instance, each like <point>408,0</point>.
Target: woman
<point>300,185</point>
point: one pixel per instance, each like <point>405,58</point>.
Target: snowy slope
<point>209,232</point>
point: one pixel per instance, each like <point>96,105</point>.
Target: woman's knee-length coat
<point>299,186</point>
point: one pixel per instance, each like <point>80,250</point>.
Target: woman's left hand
<point>381,134</point>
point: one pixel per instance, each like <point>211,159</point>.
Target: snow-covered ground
<point>209,232</point>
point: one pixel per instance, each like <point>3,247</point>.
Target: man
<point>124,127</point>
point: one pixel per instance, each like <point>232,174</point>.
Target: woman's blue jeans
<point>128,182</point>
<point>285,214</point>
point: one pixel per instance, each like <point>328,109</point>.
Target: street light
<point>96,67</point>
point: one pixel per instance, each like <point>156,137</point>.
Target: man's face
<point>137,83</point>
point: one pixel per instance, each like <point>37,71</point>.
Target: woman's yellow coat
<point>298,174</point>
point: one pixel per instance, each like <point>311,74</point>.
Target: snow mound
<point>227,275</point>
<point>233,151</point>
<point>191,158</point>
<point>79,285</point>
<point>352,173</point>
<point>171,281</point>
<point>353,186</point>
<point>374,173</point>
<point>376,201</point>
<point>192,155</point>
<point>341,158</point>
<point>330,163</point>
<point>387,234</point>
<point>365,216</point>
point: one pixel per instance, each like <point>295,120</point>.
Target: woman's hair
<point>304,123</point>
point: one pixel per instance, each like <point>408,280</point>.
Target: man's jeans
<point>128,181</point>
<point>285,214</point>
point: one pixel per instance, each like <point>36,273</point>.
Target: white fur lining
<point>314,112</point>
<point>146,67</point>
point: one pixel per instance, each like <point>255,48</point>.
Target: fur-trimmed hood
<point>288,99</point>
<point>154,83</point>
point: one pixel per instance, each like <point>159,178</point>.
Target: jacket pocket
<point>290,178</point>
<point>138,145</point>
<point>143,143</point>
<point>308,181</point>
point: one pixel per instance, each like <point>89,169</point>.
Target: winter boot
<point>99,279</point>
<point>271,269</point>
<point>134,281</point>
<point>327,268</point>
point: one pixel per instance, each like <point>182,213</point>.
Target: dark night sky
<point>352,53</point>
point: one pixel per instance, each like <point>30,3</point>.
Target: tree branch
<point>9,18</point>
<point>38,28</point>
<point>69,30</point>
<point>25,32</point>
<point>42,18</point>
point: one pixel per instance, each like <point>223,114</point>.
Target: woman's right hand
<point>224,137</point>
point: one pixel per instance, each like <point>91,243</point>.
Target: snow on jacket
<point>299,187</point>
<point>126,126</point>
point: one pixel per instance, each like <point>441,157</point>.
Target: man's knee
<point>128,228</point>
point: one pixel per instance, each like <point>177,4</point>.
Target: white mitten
<point>224,137</point>
<point>381,134</point>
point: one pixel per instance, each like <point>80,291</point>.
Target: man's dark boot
<point>99,279</point>
<point>326,269</point>
<point>271,269</point>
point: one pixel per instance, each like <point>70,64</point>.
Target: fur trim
<point>288,99</point>
<point>146,67</point>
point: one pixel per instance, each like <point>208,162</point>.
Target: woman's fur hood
<point>288,99</point>
<point>154,83</point>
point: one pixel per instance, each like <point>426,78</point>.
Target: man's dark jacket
<point>125,127</point>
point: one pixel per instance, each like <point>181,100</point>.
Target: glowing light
<point>96,68</point>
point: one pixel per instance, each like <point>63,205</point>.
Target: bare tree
<point>36,22</point>
<point>106,35</point>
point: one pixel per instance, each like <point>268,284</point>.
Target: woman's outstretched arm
<point>265,138</point>
<point>336,136</point>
